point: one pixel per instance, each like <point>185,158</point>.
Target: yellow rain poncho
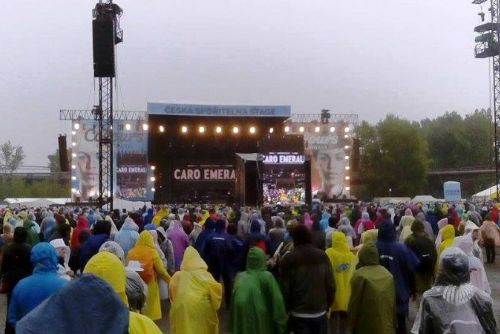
<point>204,217</point>
<point>160,215</point>
<point>343,265</point>
<point>108,267</point>
<point>195,297</point>
<point>448,236</point>
<point>145,252</point>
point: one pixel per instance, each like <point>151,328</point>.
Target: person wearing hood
<point>257,305</point>
<point>402,264</point>
<point>33,290</point>
<point>473,230</point>
<point>95,308</point>
<point>372,301</point>
<point>447,236</point>
<point>146,253</point>
<point>195,297</point>
<point>490,236</point>
<point>208,230</point>
<point>343,263</point>
<point>128,235</point>
<point>100,234</point>
<point>454,305</point>
<point>405,225</point>
<point>148,218</point>
<point>363,224</point>
<point>277,234</point>
<point>427,226</point>
<point>478,276</point>
<point>167,249</point>
<point>63,256</point>
<point>180,241</point>
<point>47,226</point>
<point>345,227</point>
<point>82,224</point>
<point>257,239</point>
<point>31,227</point>
<point>74,259</point>
<point>108,267</point>
<point>423,247</point>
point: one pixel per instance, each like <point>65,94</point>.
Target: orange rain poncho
<point>108,267</point>
<point>343,265</point>
<point>145,252</point>
<point>195,297</point>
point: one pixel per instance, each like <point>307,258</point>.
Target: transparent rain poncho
<point>453,305</point>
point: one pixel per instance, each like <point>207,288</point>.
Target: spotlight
<point>347,177</point>
<point>347,157</point>
<point>201,129</point>
<point>218,129</point>
<point>301,129</point>
<point>76,126</point>
<point>252,129</point>
<point>153,189</point>
<point>346,136</point>
<point>73,166</point>
<point>347,167</point>
<point>73,133</point>
<point>128,127</point>
<point>347,188</point>
<point>73,144</point>
<point>347,129</point>
<point>161,128</point>
<point>287,128</point>
<point>152,167</point>
<point>73,190</point>
<point>73,155</point>
<point>316,129</point>
<point>152,178</point>
<point>236,130</point>
<point>332,129</point>
<point>346,147</point>
<point>184,129</point>
<point>271,130</point>
<point>92,193</point>
<point>73,178</point>
<point>145,126</point>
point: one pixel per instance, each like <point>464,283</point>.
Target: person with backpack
<point>146,253</point>
<point>423,247</point>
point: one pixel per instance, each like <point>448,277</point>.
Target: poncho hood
<point>256,260</point>
<point>44,257</point>
<point>386,231</point>
<point>146,239</point>
<point>129,225</point>
<point>368,255</point>
<point>192,260</point>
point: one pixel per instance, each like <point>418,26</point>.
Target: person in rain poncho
<point>345,227</point>
<point>402,264</point>
<point>128,235</point>
<point>145,252</point>
<point>108,266</point>
<point>113,248</point>
<point>100,234</point>
<point>180,241</point>
<point>454,305</point>
<point>30,226</point>
<point>372,301</point>
<point>447,236</point>
<point>33,290</point>
<point>82,224</point>
<point>243,225</point>
<point>427,226</point>
<point>473,230</point>
<point>423,247</point>
<point>195,297</point>
<point>490,237</point>
<point>162,213</point>
<point>257,305</point>
<point>405,225</point>
<point>63,255</point>
<point>343,264</point>
<point>47,226</point>
<point>439,238</point>
<point>478,276</point>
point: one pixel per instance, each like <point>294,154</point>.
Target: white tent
<point>485,194</point>
<point>36,202</point>
<point>119,203</point>
<point>424,199</point>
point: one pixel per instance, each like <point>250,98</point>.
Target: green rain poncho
<point>257,305</point>
<point>372,306</point>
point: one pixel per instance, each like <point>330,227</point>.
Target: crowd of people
<point>344,268</point>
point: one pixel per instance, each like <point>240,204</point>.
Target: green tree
<point>11,156</point>
<point>394,155</point>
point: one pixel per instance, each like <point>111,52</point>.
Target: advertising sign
<point>217,110</point>
<point>85,160</point>
<point>452,191</point>
<point>208,173</point>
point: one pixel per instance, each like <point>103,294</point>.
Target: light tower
<point>106,33</point>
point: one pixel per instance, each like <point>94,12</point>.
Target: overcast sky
<point>406,57</point>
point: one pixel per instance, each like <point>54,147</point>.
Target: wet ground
<point>492,270</point>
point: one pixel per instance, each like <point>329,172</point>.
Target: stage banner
<point>84,161</point>
<point>329,154</point>
<point>130,168</point>
<point>217,110</point>
<point>204,173</point>
<point>131,162</point>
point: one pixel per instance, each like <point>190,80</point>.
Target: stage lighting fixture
<point>316,129</point>
<point>152,178</point>
<point>252,129</point>
<point>271,130</point>
<point>332,129</point>
<point>73,166</point>
<point>218,129</point>
<point>128,127</point>
<point>152,167</point>
<point>347,177</point>
<point>153,189</point>
<point>73,155</point>
<point>346,136</point>
<point>287,128</point>
<point>347,157</point>
<point>161,128</point>
<point>347,129</point>
<point>346,147</point>
<point>76,126</point>
<point>73,133</point>
<point>347,188</point>
<point>201,129</point>
<point>236,130</point>
<point>73,178</point>
<point>301,129</point>
<point>145,126</point>
<point>73,144</point>
<point>347,167</point>
<point>73,190</point>
<point>184,129</point>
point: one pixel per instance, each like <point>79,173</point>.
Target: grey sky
<point>411,58</point>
